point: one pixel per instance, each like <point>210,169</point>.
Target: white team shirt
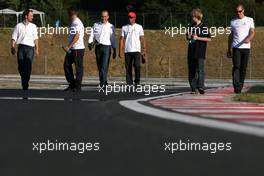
<point>25,34</point>
<point>240,29</point>
<point>131,34</point>
<point>103,33</point>
<point>77,26</point>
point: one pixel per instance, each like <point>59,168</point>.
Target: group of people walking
<point>132,47</point>
<point>102,37</point>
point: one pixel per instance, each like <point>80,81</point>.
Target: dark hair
<point>26,12</point>
<point>72,11</point>
<point>240,5</point>
<point>105,11</point>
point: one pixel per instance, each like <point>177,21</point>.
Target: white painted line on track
<point>134,105</point>
<point>47,99</point>
<point>90,100</point>
<point>202,111</point>
<point>231,116</point>
<point>11,98</point>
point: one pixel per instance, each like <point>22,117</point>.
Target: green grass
<point>254,94</point>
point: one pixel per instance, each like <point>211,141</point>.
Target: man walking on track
<point>198,36</point>
<point>25,35</point>
<point>103,37</point>
<point>132,40</point>
<point>239,44</point>
<point>74,52</point>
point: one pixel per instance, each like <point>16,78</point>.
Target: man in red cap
<point>132,43</point>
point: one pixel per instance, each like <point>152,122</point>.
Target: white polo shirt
<point>77,26</point>
<point>240,30</point>
<point>131,34</point>
<point>25,34</point>
<point>103,33</point>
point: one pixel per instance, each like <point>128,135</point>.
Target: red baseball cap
<point>132,14</point>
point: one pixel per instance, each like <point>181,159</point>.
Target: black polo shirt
<point>197,49</point>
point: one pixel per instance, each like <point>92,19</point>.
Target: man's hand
<point>144,56</point>
<point>247,40</point>
<point>66,48</point>
<point>229,54</point>
<point>195,37</point>
<point>144,52</point>
<point>188,36</point>
<point>13,50</point>
<point>37,52</point>
<point>120,55</point>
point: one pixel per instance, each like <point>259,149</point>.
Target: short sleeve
<point>123,31</point>
<point>74,27</point>
<point>141,32</point>
<point>231,26</point>
<point>252,23</point>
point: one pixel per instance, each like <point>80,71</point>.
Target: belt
<point>27,46</point>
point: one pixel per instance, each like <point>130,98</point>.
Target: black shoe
<point>201,91</point>
<point>237,91</point>
<point>77,89</point>
<point>69,88</point>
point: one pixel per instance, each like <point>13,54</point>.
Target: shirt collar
<point>132,24</point>
<point>104,23</point>
<point>25,23</point>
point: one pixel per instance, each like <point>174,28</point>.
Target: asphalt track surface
<point>130,143</point>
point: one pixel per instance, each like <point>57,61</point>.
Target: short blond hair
<point>197,13</point>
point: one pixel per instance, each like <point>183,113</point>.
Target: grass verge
<point>255,94</point>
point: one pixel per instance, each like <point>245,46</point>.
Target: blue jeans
<point>103,53</point>
<point>25,55</point>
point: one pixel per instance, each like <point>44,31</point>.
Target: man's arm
<point>13,46</point>
<point>36,47</point>
<point>250,36</point>
<point>143,44</point>
<point>13,40</point>
<point>113,42</point>
<point>229,49</point>
<point>13,43</point>
<point>91,39</point>
<point>204,39</point>
<point>74,40</point>
<point>121,46</point>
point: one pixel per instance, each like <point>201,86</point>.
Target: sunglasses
<point>239,11</point>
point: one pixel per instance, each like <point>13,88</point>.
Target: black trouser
<point>196,73</point>
<point>103,53</point>
<point>132,59</point>
<point>240,61</point>
<point>76,57</point>
<point>25,55</point>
